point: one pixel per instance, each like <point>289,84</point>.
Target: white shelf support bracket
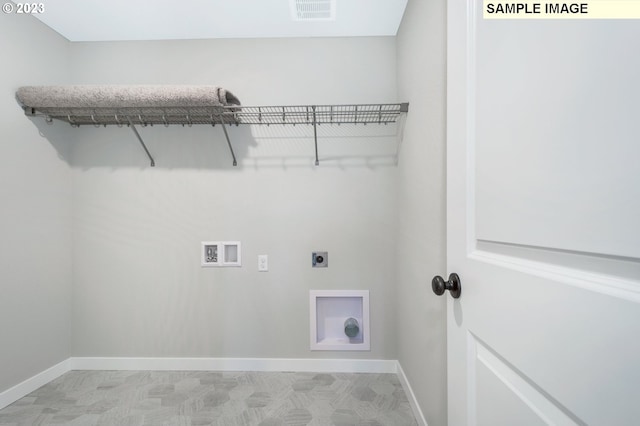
<point>133,127</point>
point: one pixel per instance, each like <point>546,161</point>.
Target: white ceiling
<point>107,20</point>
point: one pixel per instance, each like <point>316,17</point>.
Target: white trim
<point>471,386</point>
<point>547,410</point>
<point>415,407</point>
<point>611,286</point>
<point>237,364</point>
<point>18,391</point>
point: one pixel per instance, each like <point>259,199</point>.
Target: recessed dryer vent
<point>339,320</point>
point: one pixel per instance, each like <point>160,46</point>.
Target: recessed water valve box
<point>210,254</point>
<point>220,253</point>
<point>320,259</point>
<point>339,320</point>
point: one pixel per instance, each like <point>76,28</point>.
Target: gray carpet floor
<point>135,398</point>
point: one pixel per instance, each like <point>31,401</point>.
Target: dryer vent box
<point>339,320</point>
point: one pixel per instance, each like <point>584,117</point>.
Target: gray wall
<point>421,205</point>
<point>35,214</point>
<point>138,286</point>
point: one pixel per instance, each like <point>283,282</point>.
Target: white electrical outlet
<point>263,263</point>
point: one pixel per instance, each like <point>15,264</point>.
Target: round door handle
<point>439,285</point>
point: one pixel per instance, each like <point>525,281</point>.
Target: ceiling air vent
<point>313,10</point>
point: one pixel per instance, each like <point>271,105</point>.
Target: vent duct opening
<point>313,10</point>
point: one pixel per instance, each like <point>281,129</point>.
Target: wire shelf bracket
<point>133,127</point>
<point>226,135</point>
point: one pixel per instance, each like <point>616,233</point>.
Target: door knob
<point>439,285</point>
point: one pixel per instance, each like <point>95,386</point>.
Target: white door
<point>543,227</point>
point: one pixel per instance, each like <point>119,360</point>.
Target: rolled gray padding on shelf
<point>351,327</point>
<point>123,96</point>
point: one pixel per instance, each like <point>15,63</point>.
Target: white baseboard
<point>13,394</point>
<point>417,412</point>
<point>236,364</point>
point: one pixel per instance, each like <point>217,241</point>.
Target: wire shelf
<point>258,115</point>
<point>313,115</point>
<point>322,114</point>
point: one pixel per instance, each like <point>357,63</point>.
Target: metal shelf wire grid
<point>301,114</point>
